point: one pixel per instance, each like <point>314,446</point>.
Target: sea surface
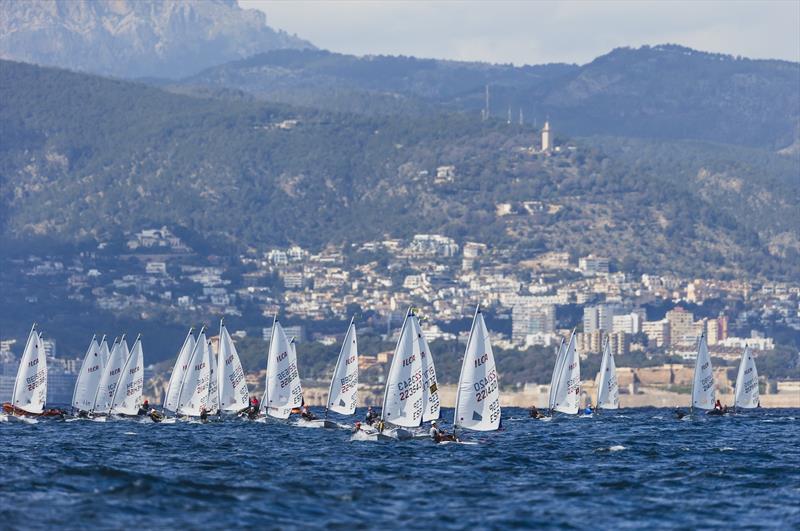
<point>638,468</point>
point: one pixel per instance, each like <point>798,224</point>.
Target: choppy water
<point>636,468</point>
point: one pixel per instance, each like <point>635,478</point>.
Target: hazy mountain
<point>666,91</point>
<point>135,38</point>
<point>85,159</point>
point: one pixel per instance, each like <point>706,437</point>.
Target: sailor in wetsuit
<point>144,409</point>
<point>203,414</point>
<point>535,413</point>
<point>307,414</point>
<point>438,435</point>
<point>371,416</point>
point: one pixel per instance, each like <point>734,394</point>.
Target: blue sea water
<point>639,468</point>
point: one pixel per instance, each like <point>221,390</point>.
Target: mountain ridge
<point>135,38</point>
<point>663,91</point>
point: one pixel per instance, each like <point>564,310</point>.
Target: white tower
<point>547,141</point>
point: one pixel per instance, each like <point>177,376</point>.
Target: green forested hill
<point>665,92</point>
<point>87,158</point>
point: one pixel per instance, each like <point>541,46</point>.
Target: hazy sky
<point>536,32</point>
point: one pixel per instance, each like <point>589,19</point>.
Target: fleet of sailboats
<point>111,381</point>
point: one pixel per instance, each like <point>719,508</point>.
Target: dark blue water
<point>637,468</point>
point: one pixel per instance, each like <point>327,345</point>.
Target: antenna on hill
<point>485,113</point>
<point>521,119</point>
<point>508,121</point>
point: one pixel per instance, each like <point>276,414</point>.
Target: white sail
<point>296,387</point>
<point>560,353</point>
<point>283,378</point>
<point>607,386</point>
<point>30,387</point>
<point>172,397</point>
<point>128,394</point>
<point>233,392</point>
<point>746,391</point>
<point>430,389</point>
<point>703,383</point>
<point>402,399</point>
<point>212,402</point>
<point>478,392</point>
<point>111,374</point>
<point>194,388</point>
<point>568,383</point>
<point>343,392</point>
<point>105,353</point>
<point>88,378</point>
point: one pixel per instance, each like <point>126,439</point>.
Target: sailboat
<point>30,387</point>
<point>560,352</point>
<point>282,390</point>
<point>108,382</point>
<point>565,393</point>
<point>88,379</point>
<point>403,395</point>
<point>431,405</point>
<point>127,397</point>
<point>193,397</point>
<point>172,396</point>
<point>703,381</point>
<point>231,385</point>
<point>343,391</point>
<point>745,394</point>
<point>607,386</point>
<point>478,393</point>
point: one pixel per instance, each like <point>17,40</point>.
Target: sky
<point>536,32</point>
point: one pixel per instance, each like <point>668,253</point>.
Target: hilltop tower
<point>547,140</point>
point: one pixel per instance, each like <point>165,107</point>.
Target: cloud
<point>538,32</point>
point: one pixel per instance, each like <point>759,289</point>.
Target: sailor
<point>435,432</point>
<point>718,405</point>
<point>83,414</point>
<point>535,413</point>
<point>679,414</point>
<point>307,414</point>
<point>356,427</point>
<point>154,415</point>
<point>203,414</point>
<point>588,409</point>
<point>371,416</point>
<point>144,409</point>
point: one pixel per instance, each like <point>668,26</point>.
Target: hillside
<point>85,159</point>
<point>664,92</point>
<point>133,38</point>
